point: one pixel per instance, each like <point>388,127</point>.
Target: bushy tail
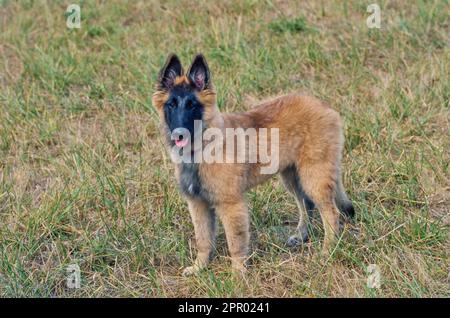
<point>343,203</point>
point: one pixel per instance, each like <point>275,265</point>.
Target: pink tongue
<point>181,143</point>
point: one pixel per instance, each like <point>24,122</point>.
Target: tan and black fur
<point>310,148</point>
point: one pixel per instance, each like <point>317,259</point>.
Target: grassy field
<point>84,178</point>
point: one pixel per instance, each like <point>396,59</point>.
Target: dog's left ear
<point>198,73</point>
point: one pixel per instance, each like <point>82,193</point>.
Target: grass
<point>84,178</point>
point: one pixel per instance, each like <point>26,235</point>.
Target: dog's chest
<point>190,181</point>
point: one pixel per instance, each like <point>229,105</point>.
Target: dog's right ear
<point>171,70</point>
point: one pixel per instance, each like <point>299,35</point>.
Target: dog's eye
<point>189,103</point>
<point>172,104</point>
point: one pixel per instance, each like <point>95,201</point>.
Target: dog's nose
<point>179,134</point>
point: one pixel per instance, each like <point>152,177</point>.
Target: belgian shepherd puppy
<point>310,146</point>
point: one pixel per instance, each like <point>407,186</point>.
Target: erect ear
<point>198,73</point>
<point>171,70</point>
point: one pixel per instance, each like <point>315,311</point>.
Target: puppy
<point>308,143</point>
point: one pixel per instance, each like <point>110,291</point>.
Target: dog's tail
<point>343,203</point>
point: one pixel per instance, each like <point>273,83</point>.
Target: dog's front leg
<point>204,226</point>
<point>235,220</point>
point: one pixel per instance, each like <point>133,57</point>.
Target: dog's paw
<point>191,270</point>
<point>238,266</point>
<point>296,240</point>
<point>239,269</point>
<point>239,272</point>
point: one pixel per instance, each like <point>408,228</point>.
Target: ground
<point>84,178</point>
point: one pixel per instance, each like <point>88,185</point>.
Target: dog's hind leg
<point>292,184</point>
<point>319,181</point>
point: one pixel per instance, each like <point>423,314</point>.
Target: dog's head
<point>181,99</point>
